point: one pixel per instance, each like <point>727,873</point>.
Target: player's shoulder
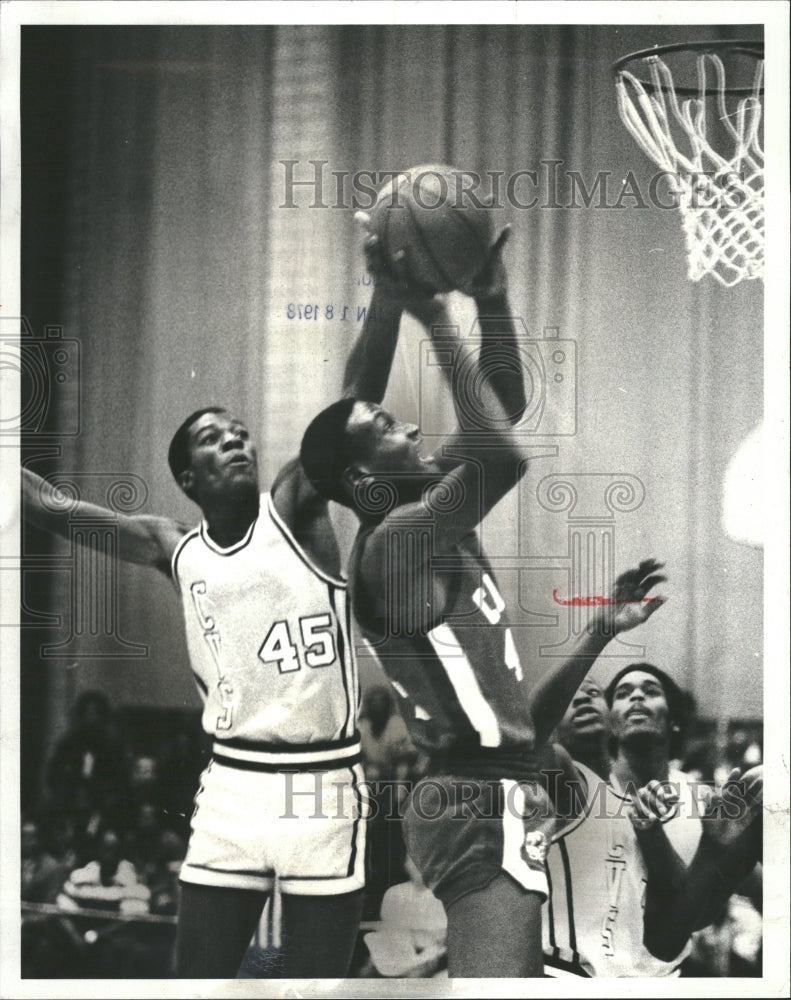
<point>189,540</point>
<point>294,497</point>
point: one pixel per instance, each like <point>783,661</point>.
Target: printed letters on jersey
<point>268,634</point>
<point>597,878</point>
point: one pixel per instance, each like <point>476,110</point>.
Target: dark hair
<point>178,452</point>
<point>678,702</point>
<point>325,451</point>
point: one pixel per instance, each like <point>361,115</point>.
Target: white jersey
<point>594,917</point>
<point>268,634</point>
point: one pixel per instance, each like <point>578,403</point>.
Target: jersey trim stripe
<point>341,655</point>
<point>262,748</point>
<point>203,688</point>
<point>584,809</point>
<point>343,644</point>
<point>235,872</point>
<point>465,684</point>
<point>564,854</point>
<point>175,557</point>
<point>243,764</point>
<point>305,757</point>
<point>551,915</point>
<point>356,822</point>
<point>232,549</point>
<point>286,532</point>
<point>355,674</point>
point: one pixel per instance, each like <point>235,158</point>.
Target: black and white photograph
<point>394,446</point>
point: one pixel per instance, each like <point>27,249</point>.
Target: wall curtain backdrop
<point>155,234</point>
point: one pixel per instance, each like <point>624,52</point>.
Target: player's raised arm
<point>476,478</point>
<point>496,374</point>
<point>143,539</point>
<point>353,450</point>
<point>370,360</point>
<point>366,372</point>
<point>625,609</point>
<point>500,360</point>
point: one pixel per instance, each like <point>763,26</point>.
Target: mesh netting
<point>721,198</point>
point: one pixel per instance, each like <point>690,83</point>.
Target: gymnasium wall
<point>154,233</point>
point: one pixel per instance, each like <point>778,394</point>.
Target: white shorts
<point>305,828</point>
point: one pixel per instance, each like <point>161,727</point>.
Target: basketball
<point>426,213</point>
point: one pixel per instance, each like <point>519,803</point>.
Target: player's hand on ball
<point>392,279</point>
<point>492,281</point>
<point>629,605</point>
<point>374,258</point>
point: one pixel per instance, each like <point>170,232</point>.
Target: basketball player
<point>584,731</point>
<point>427,600</point>
<point>627,891</point>
<point>267,623</point>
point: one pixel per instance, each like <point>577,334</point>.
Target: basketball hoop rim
<point>742,45</point>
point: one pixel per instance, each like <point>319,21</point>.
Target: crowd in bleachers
<point>107,836</point>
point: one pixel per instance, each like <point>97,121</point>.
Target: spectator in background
<point>387,757</point>
<point>384,737</point>
<point>731,946</point>
<point>42,874</point>
<point>144,778</point>
<point>182,762</point>
<point>87,773</point>
<point>741,752</point>
<point>58,832</point>
<point>109,882</point>
<point>141,843</point>
<point>145,789</point>
<point>163,876</point>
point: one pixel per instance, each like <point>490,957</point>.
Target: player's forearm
<point>716,872</point>
<point>368,366</point>
<point>44,505</point>
<point>669,914</point>
<point>552,694</point>
<point>494,370</point>
<point>500,357</point>
<point>143,539</point>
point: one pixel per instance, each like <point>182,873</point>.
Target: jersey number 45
<point>317,650</point>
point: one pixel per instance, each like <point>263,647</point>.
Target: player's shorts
<point>463,832</point>
<point>305,827</point>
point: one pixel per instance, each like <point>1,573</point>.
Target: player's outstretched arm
<point>680,900</point>
<point>626,608</point>
<point>143,539</point>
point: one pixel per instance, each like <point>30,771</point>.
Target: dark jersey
<point>443,638</point>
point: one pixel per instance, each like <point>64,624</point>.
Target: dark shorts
<point>463,832</point>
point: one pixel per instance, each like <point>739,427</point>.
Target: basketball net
<point>721,198</point>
